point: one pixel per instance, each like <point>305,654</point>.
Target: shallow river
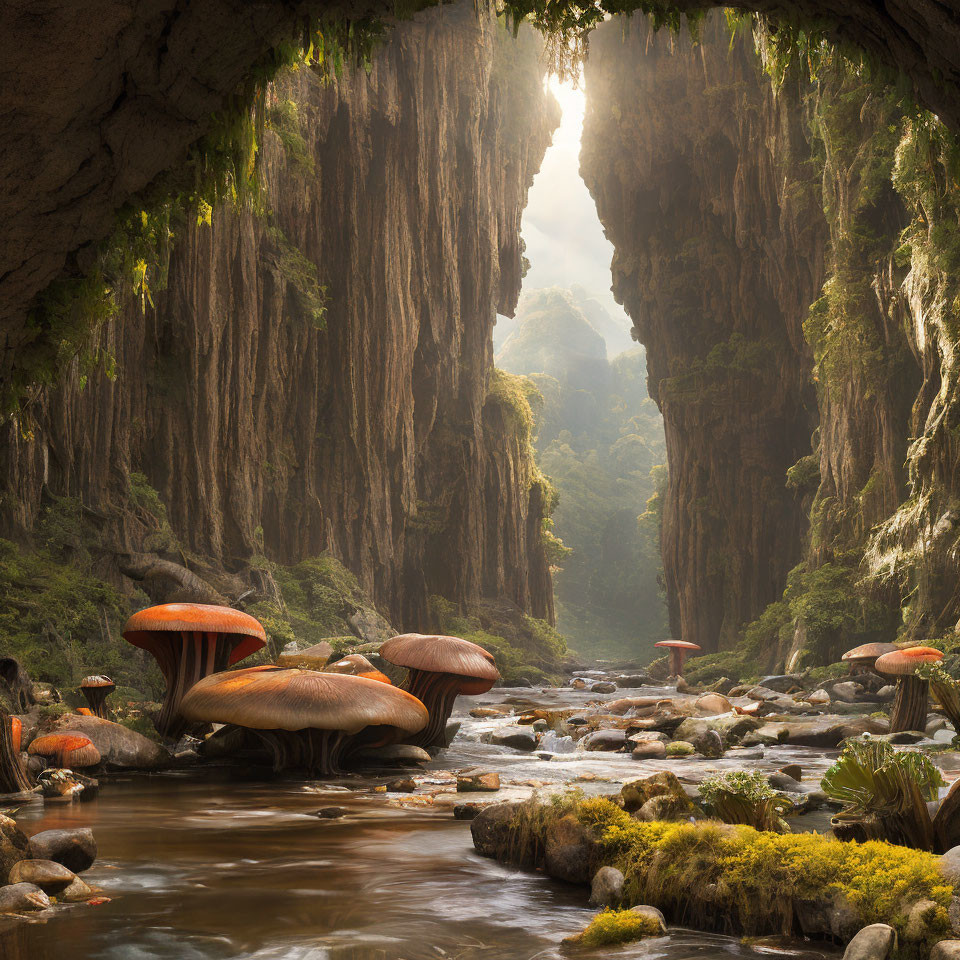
<point>211,866</point>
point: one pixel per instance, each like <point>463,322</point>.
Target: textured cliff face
<point>270,427</point>
<point>688,155</point>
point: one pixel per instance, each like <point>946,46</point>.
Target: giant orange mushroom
<point>308,719</point>
<point>190,641</point>
<point>678,653</point>
<point>439,669</point>
<point>96,689</point>
<point>67,749</point>
<point>909,711</point>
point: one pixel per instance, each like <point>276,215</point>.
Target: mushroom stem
<point>318,752</point>
<point>909,710</point>
<point>197,655</point>
<point>676,662</point>
<point>13,775</point>
<point>438,693</point>
<point>97,697</point>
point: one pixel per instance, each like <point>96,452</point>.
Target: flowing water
<point>212,865</point>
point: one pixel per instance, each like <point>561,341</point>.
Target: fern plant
<point>745,797</point>
<point>884,793</point>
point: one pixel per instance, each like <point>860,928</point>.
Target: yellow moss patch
<point>619,926</point>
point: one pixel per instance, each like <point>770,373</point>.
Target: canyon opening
<point>479,481</point>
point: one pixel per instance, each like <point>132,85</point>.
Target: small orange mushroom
<point>678,653</point>
<point>96,689</point>
<point>16,732</point>
<point>909,711</point>
<point>66,749</point>
<point>191,641</point>
<point>439,669</point>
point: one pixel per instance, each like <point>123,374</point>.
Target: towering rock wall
<point>689,157</point>
<point>315,374</point>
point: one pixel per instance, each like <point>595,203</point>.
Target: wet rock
<point>690,729</point>
<point>330,813</point>
<point>399,753</point>
<point>75,848</point>
<point>76,892</point>
<point>781,781</point>
<point>709,745</point>
<point>450,731</point>
<point>792,770</point>
<point>483,713</point>
<point>604,686</point>
<point>636,793</point>
<point>67,785</point>
<point>634,706</point>
<point>513,736</point>
<point>724,685</point>
<point>49,876</point>
<point>403,785</point>
<point>760,692</point>
<point>846,690</point>
<point>569,850</point>
<point>650,750</point>
<point>919,918</point>
<point>491,829</point>
<point>478,781</point>
<point>14,846</point>
<point>665,807</point>
<point>875,942</point>
<point>605,740</point>
<point>466,811</point>
<point>635,680</point>
<point>652,913</point>
<point>22,898</point>
<point>578,683</point>
<point>819,697</point>
<point>733,727</point>
<point>606,888</point>
<point>119,747</point>
<point>887,693</point>
<point>711,704</point>
<point>946,950</point>
<point>680,748</point>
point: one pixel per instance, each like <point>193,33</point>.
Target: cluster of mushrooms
<point>308,718</point>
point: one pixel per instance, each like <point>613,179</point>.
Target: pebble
<point>330,813</point>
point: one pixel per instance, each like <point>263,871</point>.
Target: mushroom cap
<point>146,628</point>
<point>97,681</point>
<point>71,748</point>
<point>869,651</point>
<point>16,728</point>
<point>903,663</point>
<point>678,644</point>
<point>284,698</point>
<point>433,653</point>
<point>84,711</point>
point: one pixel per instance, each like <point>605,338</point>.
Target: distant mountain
<point>616,333</point>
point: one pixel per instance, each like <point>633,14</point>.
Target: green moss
<point>619,926</point>
<point>804,476</point>
<point>300,274</point>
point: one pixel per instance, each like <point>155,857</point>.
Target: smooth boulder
<point>606,888</point>
<point>513,736</point>
<point>49,876</point>
<point>478,781</point>
<point>22,898</point>
<point>119,746</point>
<point>875,942</point>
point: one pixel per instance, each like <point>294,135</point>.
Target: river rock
<point>709,745</point>
<point>665,807</point>
<point>605,740</point>
<point>466,811</point>
<point>491,829</point>
<point>513,736</point>
<point>22,898</point>
<point>569,850</point>
<point>604,686</point>
<point>887,693</point>
<point>650,750</point>
<point>652,913</point>
<point>680,748</point>
<point>635,706</point>
<point>606,888</point>
<point>919,918</point>
<point>49,876</point>
<point>578,683</point>
<point>75,848</point>
<point>478,781</point>
<point>634,680</point>
<point>484,713</point>
<point>399,753</point>
<point>403,785</point>
<point>761,693</point>
<point>690,729</point>
<point>636,793</point>
<point>792,770</point>
<point>711,704</point>
<point>875,942</point>
<point>946,950</point>
<point>119,747</point>
<point>14,846</point>
<point>78,891</point>
<point>819,698</point>
<point>782,683</point>
<point>723,686</point>
<point>846,690</point>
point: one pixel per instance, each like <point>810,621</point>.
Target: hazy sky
<point>565,242</point>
